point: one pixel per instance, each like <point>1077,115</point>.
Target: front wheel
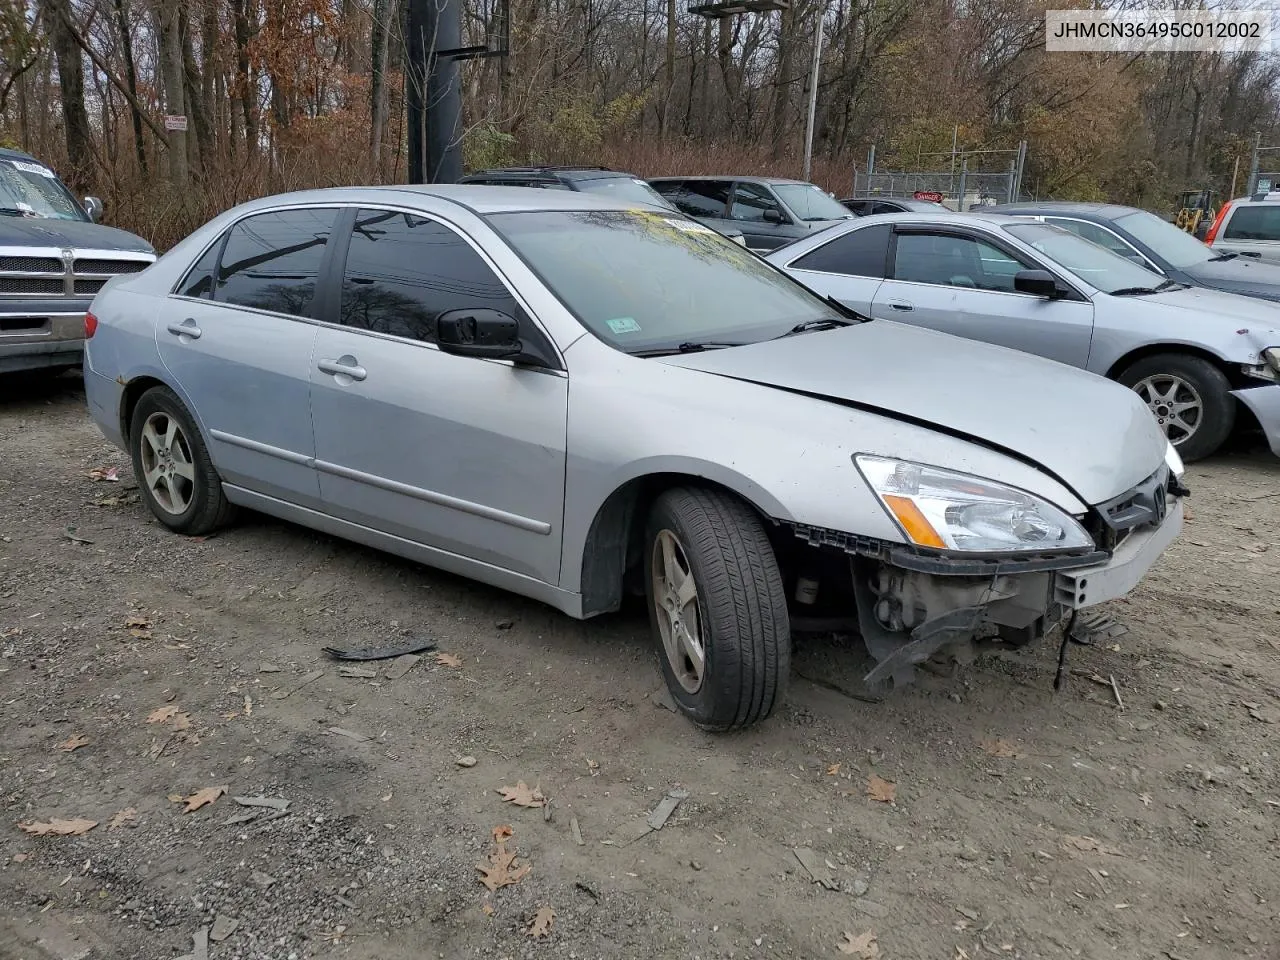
<point>717,608</point>
<point>1190,398</point>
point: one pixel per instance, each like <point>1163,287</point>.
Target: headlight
<point>1269,369</point>
<point>1173,460</point>
<point>954,511</point>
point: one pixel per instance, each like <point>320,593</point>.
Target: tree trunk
<point>75,120</point>
<point>245,92</point>
<point>194,84</point>
<point>669,66</point>
<point>379,41</point>
<point>131,78</point>
<point>170,17</point>
<point>782,82</point>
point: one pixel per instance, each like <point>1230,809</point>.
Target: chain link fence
<point>975,189</point>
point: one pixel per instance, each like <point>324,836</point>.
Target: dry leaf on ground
<point>1089,845</point>
<point>863,946</point>
<point>59,828</point>
<point>1000,748</point>
<point>202,798</point>
<point>448,660</point>
<point>162,714</point>
<point>522,795</point>
<point>502,867</point>
<point>541,925</point>
<point>125,818</point>
<point>833,770</point>
<point>248,706</point>
<point>487,909</point>
<point>880,789</point>
<point>181,721</point>
<point>73,743</point>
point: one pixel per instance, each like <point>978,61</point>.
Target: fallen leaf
<point>21,857</point>
<point>502,833</point>
<point>487,909</point>
<point>833,770</point>
<point>162,714</point>
<point>541,925</point>
<point>73,743</point>
<point>138,621</point>
<point>1000,748</point>
<point>863,946</point>
<point>1145,798</point>
<point>202,798</point>
<point>522,795</point>
<point>107,474</point>
<point>502,867</point>
<point>961,954</point>
<point>175,798</point>
<point>882,790</point>
<point>59,828</point>
<point>139,633</point>
<point>1088,845</point>
<point>125,818</point>
<point>181,721</point>
<point>248,706</point>
<point>448,660</point>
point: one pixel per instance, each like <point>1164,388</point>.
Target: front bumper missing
<point>1129,563</point>
<point>1264,403</point>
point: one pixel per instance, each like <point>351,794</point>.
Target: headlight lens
<point>955,511</point>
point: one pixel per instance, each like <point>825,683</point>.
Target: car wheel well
<point>1150,350</point>
<point>129,400</point>
<point>614,546</point>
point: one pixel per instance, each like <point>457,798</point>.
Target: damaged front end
<point>916,603</point>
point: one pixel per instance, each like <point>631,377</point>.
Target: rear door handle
<point>187,328</point>
<point>901,305</point>
<point>344,366</point>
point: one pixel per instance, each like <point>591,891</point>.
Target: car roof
<point>8,154</point>
<point>1104,211</point>
<point>554,173</point>
<point>481,199</point>
<point>730,176</point>
<point>943,218</point>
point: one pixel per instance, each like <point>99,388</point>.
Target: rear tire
<point>713,586</point>
<point>172,466</point>
<point>1190,398</point>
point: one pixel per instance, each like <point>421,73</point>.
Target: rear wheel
<point>717,608</point>
<point>1190,398</point>
<point>172,465</point>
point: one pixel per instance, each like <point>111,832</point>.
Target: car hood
<point>77,234</point>
<point>1239,275</point>
<point>1096,437</point>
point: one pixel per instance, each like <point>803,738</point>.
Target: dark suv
<point>602,180</point>
<point>54,258</point>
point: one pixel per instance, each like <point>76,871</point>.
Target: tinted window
<point>1253,223</point>
<point>751,202</point>
<point>954,262</point>
<point>403,271</point>
<point>199,281</point>
<point>1095,234</point>
<point>697,198</point>
<point>859,207</point>
<point>272,260</point>
<point>860,253</point>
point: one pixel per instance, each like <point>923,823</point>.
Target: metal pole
<point>1022,160</point>
<point>433,95</point>
<point>813,95</point>
<point>1013,173</point>
<point>1235,172</point>
<point>1253,164</point>
<point>964,175</point>
<point>871,165</point>
<point>417,47</point>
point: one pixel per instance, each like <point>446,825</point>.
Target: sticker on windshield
<point>688,226</point>
<point>32,168</point>
<point>623,325</point>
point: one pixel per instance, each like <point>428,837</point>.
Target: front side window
<point>810,202</point>
<point>1088,261</point>
<point>403,271</point>
<point>1095,234</point>
<point>859,253</point>
<point>953,261</point>
<point>1258,222</point>
<point>1169,243</point>
<point>755,204</point>
<point>272,260</point>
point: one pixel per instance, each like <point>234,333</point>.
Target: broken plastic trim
<point>942,562</point>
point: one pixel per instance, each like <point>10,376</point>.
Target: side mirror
<point>1038,283</point>
<point>93,207</point>
<point>773,216</point>
<point>479,333</point>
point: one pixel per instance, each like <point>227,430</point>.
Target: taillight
<point>90,325</point>
<point>1217,222</point>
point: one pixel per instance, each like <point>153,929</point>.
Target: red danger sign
<point>933,195</point>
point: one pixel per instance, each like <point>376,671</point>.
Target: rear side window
<point>272,260</point>
<point>404,271</point>
<point>860,207</point>
<point>859,253</point>
<point>1260,222</point>
<point>699,198</point>
<point>882,207</point>
<point>199,280</point>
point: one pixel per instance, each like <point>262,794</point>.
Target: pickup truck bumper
<point>34,342</point>
<point>1264,403</point>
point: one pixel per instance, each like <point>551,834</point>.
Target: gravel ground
<point>1024,823</point>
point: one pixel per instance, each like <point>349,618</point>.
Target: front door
<point>764,224</point>
<point>238,344</point>
<point>963,285</point>
<point>462,454</point>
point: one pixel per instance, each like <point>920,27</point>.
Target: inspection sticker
<point>623,325</point>
<point>688,226</point>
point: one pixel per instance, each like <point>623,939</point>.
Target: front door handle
<point>187,328</point>
<point>344,366</point>
<point>901,305</point>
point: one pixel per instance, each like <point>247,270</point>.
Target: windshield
<point>625,188</point>
<point>643,280</point>
<point>32,190</point>
<point>1180,248</point>
<point>810,202</point>
<point>1088,261</point>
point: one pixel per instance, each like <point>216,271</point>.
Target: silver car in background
<point>1195,356</point>
<point>572,399</point>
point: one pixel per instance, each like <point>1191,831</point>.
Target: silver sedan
<point>575,399</point>
<point>1197,357</point>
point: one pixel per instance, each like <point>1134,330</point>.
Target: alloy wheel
<point>1176,404</point>
<point>675,595</point>
<point>167,468</point>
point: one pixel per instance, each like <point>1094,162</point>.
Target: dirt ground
<point>1024,823</point>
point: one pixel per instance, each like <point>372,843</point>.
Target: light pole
<point>813,94</point>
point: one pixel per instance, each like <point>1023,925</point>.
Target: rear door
<point>850,268</point>
<point>237,338</point>
<point>1251,229</point>
<point>962,283</point>
<point>465,455</point>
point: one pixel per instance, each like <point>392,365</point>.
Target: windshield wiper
<point>13,212</point>
<point>692,346</point>
<point>1140,291</point>
<point>809,326</point>
<point>1223,256</point>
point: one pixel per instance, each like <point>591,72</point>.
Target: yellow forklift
<point>1196,210</point>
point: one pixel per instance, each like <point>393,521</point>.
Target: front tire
<point>717,608</point>
<point>1190,398</point>
<point>172,465</point>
